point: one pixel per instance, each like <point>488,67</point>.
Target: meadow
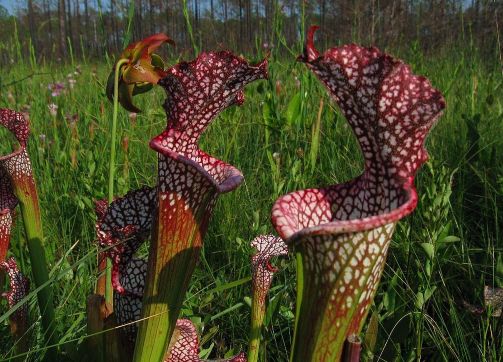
<point>288,135</point>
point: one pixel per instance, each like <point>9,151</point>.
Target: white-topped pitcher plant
<point>341,233</point>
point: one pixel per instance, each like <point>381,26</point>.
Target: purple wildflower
<point>56,88</point>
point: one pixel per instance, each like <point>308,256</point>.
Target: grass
<point>283,138</point>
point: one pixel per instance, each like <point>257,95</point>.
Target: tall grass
<point>441,257</point>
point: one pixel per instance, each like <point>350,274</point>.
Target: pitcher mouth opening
<point>16,124</point>
<point>290,219</point>
<point>172,144</point>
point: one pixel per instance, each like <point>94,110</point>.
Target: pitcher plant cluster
<point>339,234</point>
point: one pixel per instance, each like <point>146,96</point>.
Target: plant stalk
<point>111,174</point>
<point>352,349</point>
<point>26,192</point>
<point>176,242</point>
<point>300,288</point>
<point>257,320</point>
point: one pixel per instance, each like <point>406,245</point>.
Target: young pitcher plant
<point>267,247</point>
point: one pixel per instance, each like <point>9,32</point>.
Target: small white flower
<point>71,82</point>
<point>53,109</point>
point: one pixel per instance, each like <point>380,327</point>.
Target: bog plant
<point>339,234</point>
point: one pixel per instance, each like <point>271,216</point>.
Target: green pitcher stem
<point>111,173</point>
<point>174,250</point>
<point>300,288</point>
<point>26,192</point>
<point>324,320</point>
<point>257,321</point>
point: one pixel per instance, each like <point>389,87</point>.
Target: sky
<point>10,5</point>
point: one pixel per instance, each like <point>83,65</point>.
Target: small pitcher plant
<point>267,246</point>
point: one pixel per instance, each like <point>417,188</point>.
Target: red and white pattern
<point>16,164</point>
<point>127,305</point>
<point>16,123</point>
<point>267,246</point>
<point>186,346</point>
<point>123,227</point>
<point>344,230</point>
<point>19,288</point>
<point>197,92</point>
<point>5,232</point>
<point>7,204</point>
<point>12,166</point>
<point>189,180</point>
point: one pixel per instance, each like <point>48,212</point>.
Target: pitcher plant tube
<point>267,247</point>
<point>16,171</point>
<point>189,182</point>
<point>341,233</point>
<point>184,344</point>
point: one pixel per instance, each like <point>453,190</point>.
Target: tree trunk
<point>138,28</point>
<point>79,37</point>
<point>151,17</point>
<point>32,21</point>
<point>86,15</point>
<point>47,10</point>
<point>62,28</point>
<point>69,26</point>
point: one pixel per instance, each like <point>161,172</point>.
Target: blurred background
<point>51,29</point>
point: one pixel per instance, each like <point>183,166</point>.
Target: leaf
<point>428,293</point>
<point>157,61</point>
<point>142,88</point>
<point>389,299</point>
<point>371,334</point>
<point>419,300</point>
<point>273,308</point>
<point>450,239</point>
<point>429,250</point>
<point>293,110</point>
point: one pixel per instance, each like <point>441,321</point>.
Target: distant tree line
<point>57,29</point>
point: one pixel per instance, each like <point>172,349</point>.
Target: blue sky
<point>10,5</point>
